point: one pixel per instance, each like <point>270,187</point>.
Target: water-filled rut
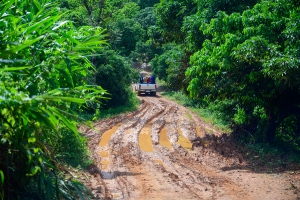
<point>163,151</point>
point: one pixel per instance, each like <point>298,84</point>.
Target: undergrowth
<point>104,114</point>
<point>207,114</point>
<point>269,156</point>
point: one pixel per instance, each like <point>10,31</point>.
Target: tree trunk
<point>89,10</point>
<point>271,126</point>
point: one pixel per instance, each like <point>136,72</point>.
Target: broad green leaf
<point>37,4</point>
<point>52,117</point>
<point>34,170</point>
<point>60,98</point>
<point>50,23</point>
<point>14,68</point>
<point>49,188</point>
<point>37,26</point>
<point>31,140</point>
<point>77,190</point>
<point>6,6</point>
<point>1,177</point>
<point>22,46</point>
<point>60,25</point>
<point>64,119</point>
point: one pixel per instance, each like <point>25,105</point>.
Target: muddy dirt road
<point>164,151</point>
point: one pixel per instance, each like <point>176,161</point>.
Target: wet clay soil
<point>164,151</point>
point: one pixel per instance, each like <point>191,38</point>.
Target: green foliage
<point>131,106</point>
<point>115,74</point>
<point>142,53</point>
<point>128,10</point>
<point>276,156</point>
<point>146,3</point>
<point>240,116</point>
<point>42,71</point>
<point>251,60</point>
<point>69,148</point>
<point>170,17</point>
<point>146,17</point>
<point>2,177</point>
<point>212,113</point>
<point>170,66</point>
<point>76,12</point>
<point>124,34</point>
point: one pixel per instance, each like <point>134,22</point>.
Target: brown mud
<point>164,151</point>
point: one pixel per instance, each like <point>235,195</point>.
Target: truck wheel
<point>154,93</point>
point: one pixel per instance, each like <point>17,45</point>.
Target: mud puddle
<point>139,158</point>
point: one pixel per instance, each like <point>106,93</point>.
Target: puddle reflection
<point>164,140</point>
<point>183,141</point>
<point>145,140</point>
<point>106,135</point>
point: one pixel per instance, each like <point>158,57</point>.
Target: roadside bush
<point>70,148</point>
<point>43,70</point>
<point>115,74</point>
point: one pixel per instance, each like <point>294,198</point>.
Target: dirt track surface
<point>164,151</point>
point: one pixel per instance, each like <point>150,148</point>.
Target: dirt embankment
<point>164,151</point>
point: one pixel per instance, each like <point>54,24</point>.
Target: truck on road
<point>147,88</point>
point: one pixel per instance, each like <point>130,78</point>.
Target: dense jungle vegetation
<point>63,59</point>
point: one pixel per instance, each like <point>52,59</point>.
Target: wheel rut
<point>161,151</point>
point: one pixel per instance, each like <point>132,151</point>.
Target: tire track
<point>123,170</point>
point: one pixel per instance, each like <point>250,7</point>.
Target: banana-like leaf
<point>52,117</point>
<point>56,92</point>
<point>37,4</point>
<point>60,25</point>
<point>83,188</point>
<point>40,116</point>
<point>92,43</point>
<point>12,61</point>
<point>49,188</point>
<point>36,26</point>
<point>22,46</point>
<point>60,98</point>
<point>65,194</point>
<point>86,48</point>
<point>54,19</point>
<point>13,68</point>
<point>71,115</point>
<point>67,75</point>
<point>64,119</point>
<point>6,6</point>
<point>77,190</point>
<point>67,35</point>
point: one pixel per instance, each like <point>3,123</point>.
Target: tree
<point>170,66</point>
<point>115,74</point>
<point>146,3</point>
<point>253,61</point>
<point>170,17</point>
<point>124,34</point>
